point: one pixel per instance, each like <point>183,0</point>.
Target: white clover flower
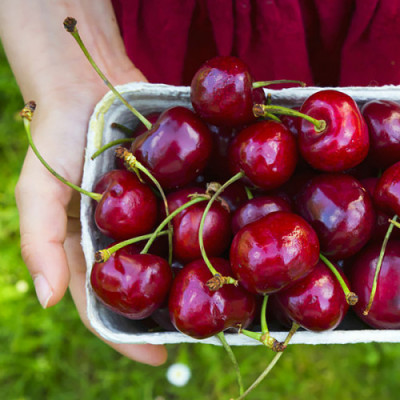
<point>178,374</point>
<point>22,286</point>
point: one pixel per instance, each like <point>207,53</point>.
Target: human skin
<point>51,70</point>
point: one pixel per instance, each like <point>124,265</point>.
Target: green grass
<point>48,354</point>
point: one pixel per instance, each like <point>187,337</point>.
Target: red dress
<point>321,42</point>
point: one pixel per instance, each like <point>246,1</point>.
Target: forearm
<point>44,57</point>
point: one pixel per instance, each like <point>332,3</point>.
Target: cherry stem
<point>265,338</point>
<point>259,84</point>
<point>271,364</point>
<point>232,357</point>
<point>26,114</point>
<point>132,164</point>
<point>261,110</point>
<point>351,297</point>
<point>214,272</point>
<point>70,26</point>
<point>122,128</point>
<point>104,254</point>
<point>249,193</point>
<point>191,202</point>
<point>264,325</point>
<point>379,265</point>
<point>111,144</point>
<point>394,222</point>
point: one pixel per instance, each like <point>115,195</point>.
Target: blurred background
<point>48,354</point>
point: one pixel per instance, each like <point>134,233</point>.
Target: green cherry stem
<point>216,283</point>
<point>26,114</point>
<point>351,297</point>
<point>249,193</point>
<point>271,364</point>
<point>121,128</point>
<point>133,164</point>
<point>379,265</point>
<point>104,254</point>
<point>70,26</point>
<point>111,144</point>
<point>264,325</point>
<point>259,84</point>
<point>261,110</point>
<point>394,222</point>
<point>232,357</point>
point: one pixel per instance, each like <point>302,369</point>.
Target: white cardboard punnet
<point>149,98</point>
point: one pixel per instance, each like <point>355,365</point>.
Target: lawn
<point>48,354</point>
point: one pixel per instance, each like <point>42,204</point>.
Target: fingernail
<point>43,290</point>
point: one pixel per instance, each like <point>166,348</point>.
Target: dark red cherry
<point>128,207</point>
<point>340,210</point>
<point>199,312</point>
<point>256,208</point>
<point>216,233</point>
<point>133,285</point>
<point>385,310</point>
<point>315,302</point>
<point>222,92</point>
<point>273,252</point>
<point>176,149</point>
<point>387,190</point>
<point>383,121</point>
<point>234,195</point>
<point>344,142</point>
<point>266,152</point>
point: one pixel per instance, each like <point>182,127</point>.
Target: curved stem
<point>259,84</point>
<point>378,266</point>
<point>70,26</point>
<point>232,357</point>
<point>261,110</point>
<point>111,144</point>
<point>264,325</point>
<point>271,364</point>
<point>235,178</point>
<point>27,125</point>
<point>351,297</point>
<point>122,128</point>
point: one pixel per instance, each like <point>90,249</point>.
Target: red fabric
<point>321,42</point>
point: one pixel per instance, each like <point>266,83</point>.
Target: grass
<point>48,354</point>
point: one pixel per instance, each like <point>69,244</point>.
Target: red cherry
<point>387,190</point>
<point>199,312</point>
<point>128,207</point>
<point>344,142</point>
<point>133,285</point>
<point>385,309</point>
<point>176,149</point>
<point>266,152</point>
<point>273,252</point>
<point>222,92</point>
<point>315,302</point>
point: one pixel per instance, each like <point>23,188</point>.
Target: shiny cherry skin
<point>266,152</point>
<point>340,210</point>
<point>256,208</point>
<point>128,207</point>
<point>198,312</point>
<point>217,227</point>
<point>387,190</point>
<point>344,142</point>
<point>273,252</point>
<point>132,285</point>
<point>383,121</point>
<point>315,302</point>
<point>385,310</point>
<point>222,93</point>
<point>176,149</point>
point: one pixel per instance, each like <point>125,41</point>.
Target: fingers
<point>143,353</point>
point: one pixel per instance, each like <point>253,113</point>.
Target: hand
<point>49,210</point>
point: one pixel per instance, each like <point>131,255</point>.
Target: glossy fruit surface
<point>387,190</point>
<point>128,207</point>
<point>340,210</point>
<point>315,302</point>
<point>176,149</point>
<point>273,252</point>
<point>133,285</point>
<point>344,142</point>
<point>385,310</point>
<point>266,152</point>
<point>199,312</point>
<point>222,93</point>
